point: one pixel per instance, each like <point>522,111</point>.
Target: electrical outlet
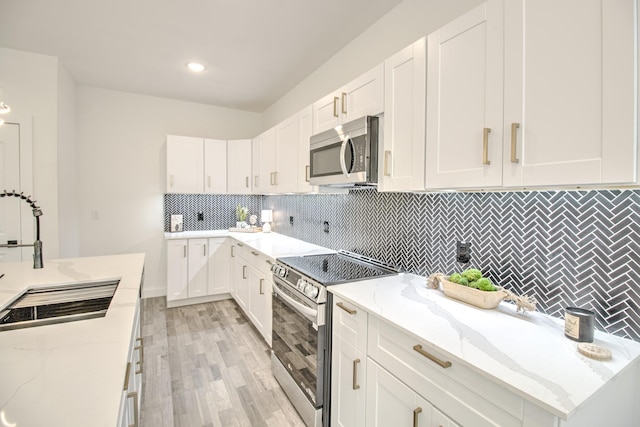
<point>200,216</point>
<point>463,252</point>
<point>291,221</point>
<point>325,226</point>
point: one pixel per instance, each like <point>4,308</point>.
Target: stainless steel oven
<point>301,325</point>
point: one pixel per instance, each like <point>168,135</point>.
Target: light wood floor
<point>205,365</point>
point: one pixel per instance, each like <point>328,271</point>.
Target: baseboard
<point>199,300</point>
<point>153,292</point>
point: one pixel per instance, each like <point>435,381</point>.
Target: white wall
<point>67,166</point>
<point>121,169</point>
<point>403,25</point>
<point>29,85</point>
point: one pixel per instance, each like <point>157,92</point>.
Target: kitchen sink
<point>58,304</point>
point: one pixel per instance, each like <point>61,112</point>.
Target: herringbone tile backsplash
<point>567,248</point>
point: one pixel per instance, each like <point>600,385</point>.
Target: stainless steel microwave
<point>346,156</point>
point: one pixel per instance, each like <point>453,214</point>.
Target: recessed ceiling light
<point>195,67</point>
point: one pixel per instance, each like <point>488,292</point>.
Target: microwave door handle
<point>343,149</point>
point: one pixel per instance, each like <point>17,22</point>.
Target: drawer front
<point>350,323</point>
<point>240,250</point>
<point>456,390</point>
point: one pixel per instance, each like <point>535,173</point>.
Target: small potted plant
<point>241,216</point>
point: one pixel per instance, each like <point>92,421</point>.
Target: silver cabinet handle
<point>356,386</point>
<point>126,377</point>
<point>514,136</point>
<point>204,249</point>
<point>256,180</point>
<point>268,261</point>
<point>345,308</point>
<point>335,106</point>
<point>416,412</point>
<point>261,286</point>
<point>387,156</point>
<point>244,271</point>
<point>246,182</point>
<point>444,364</point>
<point>233,255</point>
<point>141,349</point>
<point>240,244</point>
<point>184,251</point>
<point>485,146</point>
<point>254,253</point>
<point>306,173</point>
<point>134,394</point>
<point>344,103</point>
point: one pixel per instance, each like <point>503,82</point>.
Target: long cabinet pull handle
<point>240,244</point>
<point>268,261</point>
<point>344,103</point>
<point>254,253</point>
<point>246,182</point>
<point>233,255</point>
<point>204,249</point>
<point>141,359</point>
<point>485,146</point>
<point>416,412</point>
<point>345,308</point>
<point>244,271</point>
<point>126,377</point>
<point>134,394</point>
<point>335,106</point>
<point>306,173</point>
<point>514,138</point>
<point>356,386</point>
<point>184,251</point>
<point>443,363</point>
<point>387,156</point>
<point>261,286</point>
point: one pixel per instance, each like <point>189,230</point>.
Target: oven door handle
<point>309,313</point>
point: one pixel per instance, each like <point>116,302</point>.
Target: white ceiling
<point>254,50</point>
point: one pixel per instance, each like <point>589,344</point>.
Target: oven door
<point>299,340</point>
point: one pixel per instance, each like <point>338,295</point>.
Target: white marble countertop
<point>526,353</point>
<point>68,374</point>
<point>273,245</point>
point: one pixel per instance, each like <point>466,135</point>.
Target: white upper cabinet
<point>569,92</point>
<point>305,130</point>
<point>185,166</point>
<point>285,175</point>
<point>526,94</point>
<point>402,151</point>
<point>363,96</point>
<point>264,162</point>
<point>215,166</point>
<point>239,166</point>
<point>464,101</point>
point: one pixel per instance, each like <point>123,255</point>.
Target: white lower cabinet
<point>131,398</point>
<point>197,270</point>
<point>391,403</point>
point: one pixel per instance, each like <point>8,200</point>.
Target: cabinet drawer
<point>260,261</point>
<point>240,250</point>
<point>456,390</point>
<point>350,323</point>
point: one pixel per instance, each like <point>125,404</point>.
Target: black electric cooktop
<point>340,267</point>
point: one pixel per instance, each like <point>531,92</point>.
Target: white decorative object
<point>266,217</point>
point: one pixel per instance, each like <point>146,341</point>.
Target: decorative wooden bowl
<point>475,297</point>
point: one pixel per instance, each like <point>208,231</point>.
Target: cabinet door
<point>326,113</point>
<point>215,166</point>
<point>177,269</point>
<point>305,129</point>
<point>241,283</point>
<point>258,293</point>
<point>239,166</point>
<point>268,161</point>
<point>363,96</point>
<point>391,403</point>
<point>185,165</point>
<point>218,266</point>
<point>348,384</point>
<point>198,258</point>
<point>402,158</point>
<point>286,171</point>
<point>464,101</point>
<point>569,92</point>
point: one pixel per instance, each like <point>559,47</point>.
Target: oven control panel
<point>300,283</point>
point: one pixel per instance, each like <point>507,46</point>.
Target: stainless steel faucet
<point>37,213</point>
